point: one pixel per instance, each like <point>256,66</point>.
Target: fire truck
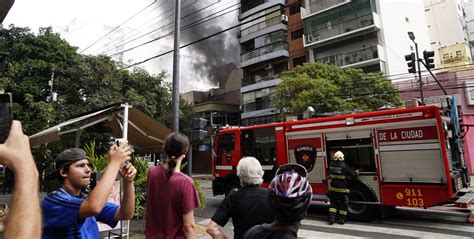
<point>409,157</point>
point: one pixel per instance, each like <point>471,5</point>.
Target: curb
<point>203,176</point>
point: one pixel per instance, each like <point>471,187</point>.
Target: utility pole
<point>419,72</point>
<point>175,95</point>
<point>417,56</point>
<point>428,63</point>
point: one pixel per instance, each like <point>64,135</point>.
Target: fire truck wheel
<point>360,211</point>
<point>231,186</point>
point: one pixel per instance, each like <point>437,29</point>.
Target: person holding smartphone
<point>16,155</point>
<point>68,213</point>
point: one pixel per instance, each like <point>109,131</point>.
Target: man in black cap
<point>67,213</point>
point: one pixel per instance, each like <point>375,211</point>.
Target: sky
<point>84,22</point>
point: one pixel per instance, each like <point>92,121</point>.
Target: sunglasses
<point>292,167</point>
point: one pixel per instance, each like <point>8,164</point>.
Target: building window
<point>297,34</point>
<point>299,61</point>
<point>295,8</point>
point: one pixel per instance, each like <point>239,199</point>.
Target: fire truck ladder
<point>467,201</point>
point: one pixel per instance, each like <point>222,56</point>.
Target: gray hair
<point>250,171</point>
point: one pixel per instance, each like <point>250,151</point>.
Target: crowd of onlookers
<point>171,195</point>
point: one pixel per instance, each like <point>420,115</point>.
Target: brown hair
<point>176,144</point>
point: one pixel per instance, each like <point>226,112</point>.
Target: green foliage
<point>83,83</point>
<point>328,88</point>
<point>99,162</point>
<point>201,197</point>
<point>140,186</point>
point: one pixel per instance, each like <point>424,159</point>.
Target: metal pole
<point>190,159</point>
<point>125,121</point>
<point>436,79</point>
<point>419,73</point>
<point>175,96</point>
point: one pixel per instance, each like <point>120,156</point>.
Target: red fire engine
<point>409,157</point>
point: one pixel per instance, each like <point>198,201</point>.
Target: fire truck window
<point>358,153</point>
<point>261,144</point>
<point>246,143</point>
<point>226,144</point>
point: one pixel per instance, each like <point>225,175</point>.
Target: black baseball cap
<point>66,157</point>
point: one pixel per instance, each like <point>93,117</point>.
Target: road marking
<point>410,232</point>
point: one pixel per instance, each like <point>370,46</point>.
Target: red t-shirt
<point>168,199</point>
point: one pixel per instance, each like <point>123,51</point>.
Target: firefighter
<point>338,194</point>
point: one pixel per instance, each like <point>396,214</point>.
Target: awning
<point>144,133</point>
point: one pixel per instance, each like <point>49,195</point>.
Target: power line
<point>450,87</point>
<point>204,38</point>
<point>142,26</point>
<point>210,36</point>
<point>118,26</point>
<point>171,33</point>
<point>169,13</point>
<point>160,37</point>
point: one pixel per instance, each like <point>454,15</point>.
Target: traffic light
<point>429,61</point>
<point>198,133</point>
<point>411,59</point>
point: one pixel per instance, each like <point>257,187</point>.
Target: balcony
<point>253,7</point>
<point>335,32</point>
<point>264,53</point>
<point>357,58</point>
<point>318,6</point>
<point>261,25</point>
<point>251,80</point>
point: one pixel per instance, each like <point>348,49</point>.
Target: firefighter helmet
<point>289,194</point>
<point>339,156</point>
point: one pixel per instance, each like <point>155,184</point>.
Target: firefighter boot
<point>332,218</point>
<point>342,219</point>
<point>332,215</point>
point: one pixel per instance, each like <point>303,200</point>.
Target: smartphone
<point>5,116</point>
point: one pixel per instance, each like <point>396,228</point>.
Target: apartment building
<point>448,32</point>
<point>366,34</point>
<point>469,14</point>
<point>271,42</point>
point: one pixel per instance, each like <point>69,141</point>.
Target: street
<point>405,223</point>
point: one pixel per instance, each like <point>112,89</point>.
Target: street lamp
<point>412,38</point>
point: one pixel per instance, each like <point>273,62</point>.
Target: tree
<point>328,88</point>
<point>83,83</point>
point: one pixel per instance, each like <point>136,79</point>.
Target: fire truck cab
<point>409,157</point>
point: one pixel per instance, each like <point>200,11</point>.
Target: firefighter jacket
<point>340,173</point>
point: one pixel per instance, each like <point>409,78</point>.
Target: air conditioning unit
<point>284,18</point>
<point>268,66</point>
<point>239,34</point>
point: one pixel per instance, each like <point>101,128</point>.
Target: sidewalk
<point>137,229</point>
<point>205,176</point>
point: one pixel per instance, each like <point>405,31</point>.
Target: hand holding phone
<point>6,117</point>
